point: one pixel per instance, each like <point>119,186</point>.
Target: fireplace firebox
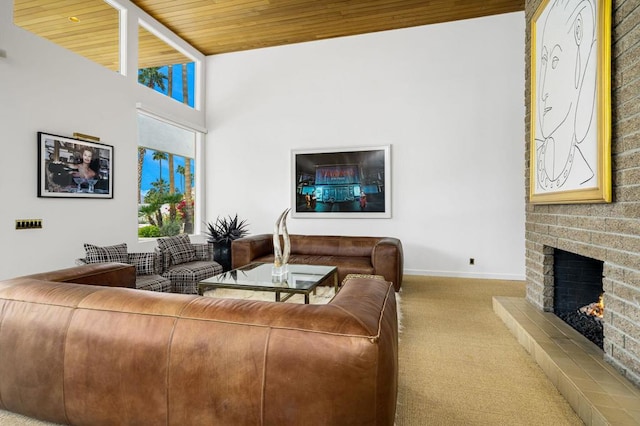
<point>578,293</point>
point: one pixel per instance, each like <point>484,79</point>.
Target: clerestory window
<point>163,68</point>
<point>90,28</point>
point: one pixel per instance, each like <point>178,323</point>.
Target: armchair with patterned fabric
<point>148,266</point>
<point>185,263</point>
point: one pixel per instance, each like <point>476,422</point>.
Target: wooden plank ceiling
<point>222,26</point>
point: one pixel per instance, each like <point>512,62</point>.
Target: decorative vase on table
<point>281,256</point>
<point>220,234</point>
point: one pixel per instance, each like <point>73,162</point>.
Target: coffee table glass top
<point>258,276</point>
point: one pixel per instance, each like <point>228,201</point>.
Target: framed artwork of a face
<point>571,102</point>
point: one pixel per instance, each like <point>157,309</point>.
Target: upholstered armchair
<point>185,263</point>
<point>147,264</point>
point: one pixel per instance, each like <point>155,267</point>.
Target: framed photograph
<point>570,148</point>
<point>74,168</point>
<point>341,183</point>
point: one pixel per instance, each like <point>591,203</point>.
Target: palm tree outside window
<point>161,79</point>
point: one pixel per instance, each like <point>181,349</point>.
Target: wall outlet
<point>472,261</point>
<point>28,223</point>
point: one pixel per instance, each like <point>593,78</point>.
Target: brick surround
<point>607,232</point>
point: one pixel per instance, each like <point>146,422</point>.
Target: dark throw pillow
<point>116,253</point>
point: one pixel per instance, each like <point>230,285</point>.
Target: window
<point>164,69</point>
<point>166,183</point>
<point>90,28</point>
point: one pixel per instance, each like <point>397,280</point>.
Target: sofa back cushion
<point>357,246</point>
<point>178,247</point>
<point>321,245</point>
<point>146,263</point>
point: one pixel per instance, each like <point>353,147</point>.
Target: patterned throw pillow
<point>145,263</point>
<point>116,253</point>
<point>179,248</point>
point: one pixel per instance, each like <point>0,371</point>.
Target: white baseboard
<point>458,274</point>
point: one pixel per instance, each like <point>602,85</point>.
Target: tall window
<point>166,184</point>
<point>164,69</point>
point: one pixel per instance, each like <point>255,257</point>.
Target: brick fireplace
<point>609,233</point>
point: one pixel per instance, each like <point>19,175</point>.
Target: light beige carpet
<point>460,365</point>
<point>8,418</point>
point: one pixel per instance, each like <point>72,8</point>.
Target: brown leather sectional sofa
<point>352,255</point>
<point>96,354</point>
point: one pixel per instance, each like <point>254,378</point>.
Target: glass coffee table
<point>299,279</point>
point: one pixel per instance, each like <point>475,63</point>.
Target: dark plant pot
<point>222,255</point>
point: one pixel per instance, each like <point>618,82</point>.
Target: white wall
<point>449,100</point>
<point>44,87</point>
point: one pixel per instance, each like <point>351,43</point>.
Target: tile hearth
<point>597,392</point>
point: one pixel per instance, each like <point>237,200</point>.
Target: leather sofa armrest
<point>244,250</point>
<point>104,274</point>
<point>387,259</point>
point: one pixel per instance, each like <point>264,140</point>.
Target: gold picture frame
<point>570,98</point>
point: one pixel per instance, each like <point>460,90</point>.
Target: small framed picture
<point>74,168</point>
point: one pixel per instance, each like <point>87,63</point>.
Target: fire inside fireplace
<point>595,309</point>
<point>578,294</point>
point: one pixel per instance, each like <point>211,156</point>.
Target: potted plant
<point>221,233</point>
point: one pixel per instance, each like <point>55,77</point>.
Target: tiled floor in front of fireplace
<point>596,391</point>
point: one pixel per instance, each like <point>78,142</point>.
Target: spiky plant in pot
<point>221,233</point>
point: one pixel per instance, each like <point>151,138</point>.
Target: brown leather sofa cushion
<point>333,246</point>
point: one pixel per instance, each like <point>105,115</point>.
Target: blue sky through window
<point>177,92</point>
<point>151,172</point>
